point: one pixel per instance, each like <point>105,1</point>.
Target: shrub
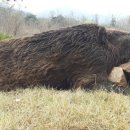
<point>4,37</point>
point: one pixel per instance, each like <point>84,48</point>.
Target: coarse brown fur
<point>121,41</point>
<point>113,35</point>
<point>73,57</point>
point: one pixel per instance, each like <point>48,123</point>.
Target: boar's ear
<point>102,36</point>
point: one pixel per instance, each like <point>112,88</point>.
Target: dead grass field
<point>42,109</point>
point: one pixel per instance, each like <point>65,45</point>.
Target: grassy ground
<point>42,109</point>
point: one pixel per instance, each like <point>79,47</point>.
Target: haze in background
<point>27,17</point>
<point>101,7</point>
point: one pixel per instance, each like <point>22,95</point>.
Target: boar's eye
<point>102,36</point>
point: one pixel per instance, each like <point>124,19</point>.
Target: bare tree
<point>113,21</point>
<point>96,19</point>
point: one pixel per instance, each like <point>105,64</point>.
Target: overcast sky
<point>101,7</point>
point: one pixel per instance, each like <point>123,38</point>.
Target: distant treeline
<point>19,24</point>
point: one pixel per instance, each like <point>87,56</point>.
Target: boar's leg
<point>89,81</point>
<point>85,82</point>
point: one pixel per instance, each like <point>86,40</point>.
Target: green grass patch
<point>4,37</point>
<point>42,109</point>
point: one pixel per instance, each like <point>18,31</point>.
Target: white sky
<point>101,7</point>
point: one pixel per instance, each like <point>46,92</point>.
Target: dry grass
<point>42,109</point>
